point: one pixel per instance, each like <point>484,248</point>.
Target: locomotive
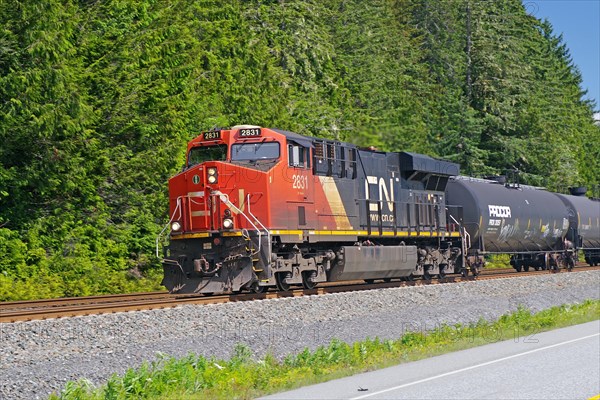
<point>256,208</point>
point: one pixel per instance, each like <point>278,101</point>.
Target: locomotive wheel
<point>256,288</point>
<point>570,265</point>
<point>464,272</point>
<point>442,274</point>
<point>307,283</point>
<point>426,276</point>
<point>280,278</point>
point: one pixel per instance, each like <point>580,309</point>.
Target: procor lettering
<point>499,211</point>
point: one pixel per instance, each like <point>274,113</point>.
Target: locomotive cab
<point>221,207</point>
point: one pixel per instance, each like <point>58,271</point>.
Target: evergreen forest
<point>98,99</point>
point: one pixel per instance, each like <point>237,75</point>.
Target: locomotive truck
<point>256,208</point>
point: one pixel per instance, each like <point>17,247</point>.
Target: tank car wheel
<point>526,268</point>
<point>280,278</point>
<point>570,265</point>
<point>464,272</point>
<point>307,283</point>
<point>536,268</point>
<point>518,267</point>
<point>387,280</point>
<point>370,281</point>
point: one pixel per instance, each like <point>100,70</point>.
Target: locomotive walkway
<point>69,307</point>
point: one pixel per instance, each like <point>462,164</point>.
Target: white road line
<point>472,367</point>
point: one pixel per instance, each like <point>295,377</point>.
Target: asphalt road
<point>560,364</point>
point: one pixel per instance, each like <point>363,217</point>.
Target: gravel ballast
<point>38,357</point>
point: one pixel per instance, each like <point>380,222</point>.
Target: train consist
<point>256,208</point>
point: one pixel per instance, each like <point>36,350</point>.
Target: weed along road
<point>560,364</point>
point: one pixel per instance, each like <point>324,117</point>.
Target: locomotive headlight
<point>212,175</point>
<point>227,223</point>
<point>175,226</point>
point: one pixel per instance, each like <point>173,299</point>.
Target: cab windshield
<point>255,151</point>
<point>198,155</point>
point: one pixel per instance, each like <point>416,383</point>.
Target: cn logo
<point>383,191</point>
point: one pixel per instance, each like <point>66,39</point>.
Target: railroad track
<point>79,306</point>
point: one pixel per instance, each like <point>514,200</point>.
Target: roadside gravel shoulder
<point>38,357</point>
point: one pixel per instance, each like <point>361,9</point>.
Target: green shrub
<point>243,377</point>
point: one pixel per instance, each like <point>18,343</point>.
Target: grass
<point>242,377</point>
<point>498,261</point>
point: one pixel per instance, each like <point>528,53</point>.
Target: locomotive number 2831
<point>250,132</point>
<point>300,182</point>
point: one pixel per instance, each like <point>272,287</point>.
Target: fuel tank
<point>506,219</point>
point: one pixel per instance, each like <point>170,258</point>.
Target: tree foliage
<point>98,98</point>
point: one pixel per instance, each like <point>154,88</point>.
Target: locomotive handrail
<point>262,226</point>
<point>225,199</point>
<point>467,239</point>
<point>168,224</point>
<point>253,216</point>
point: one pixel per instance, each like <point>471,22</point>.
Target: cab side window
<point>298,156</point>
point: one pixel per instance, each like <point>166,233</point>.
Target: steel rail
<point>70,307</point>
<point>61,301</point>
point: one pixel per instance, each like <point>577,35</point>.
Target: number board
<point>212,135</point>
<point>250,132</point>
